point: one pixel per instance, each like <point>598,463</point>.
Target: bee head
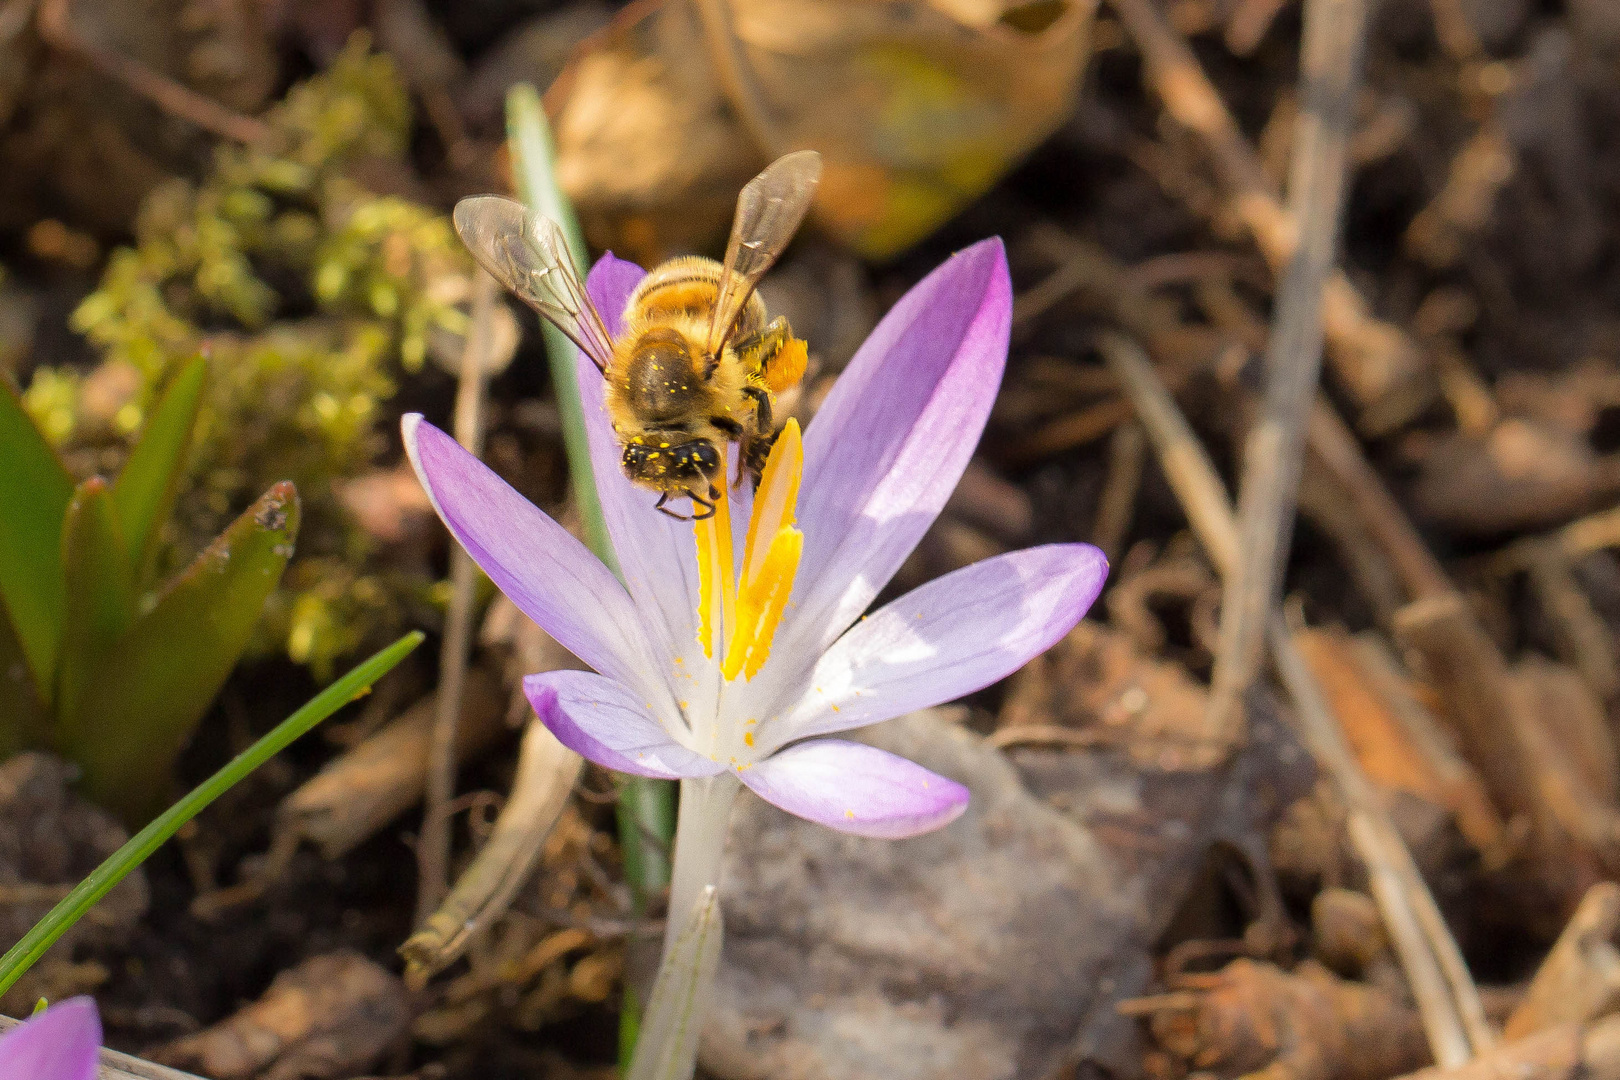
<point>671,461</point>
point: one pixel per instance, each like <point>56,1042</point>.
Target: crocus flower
<point>61,1043</point>
<point>736,646</point>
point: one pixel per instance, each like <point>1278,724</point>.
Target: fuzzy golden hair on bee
<point>697,363</point>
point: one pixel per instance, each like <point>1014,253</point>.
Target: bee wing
<point>528,254</point>
<point>769,211</point>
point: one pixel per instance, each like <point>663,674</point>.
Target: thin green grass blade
<point>22,955</point>
<point>646,810</point>
<point>529,135</point>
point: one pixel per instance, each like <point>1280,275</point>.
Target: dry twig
<point>545,776</point>
<point>1375,361</point>
<point>54,20</point>
<point>1274,450</point>
<point>1446,996</point>
<point>433,850</point>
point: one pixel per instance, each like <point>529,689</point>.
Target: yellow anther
<point>743,610</point>
<point>777,497</point>
<point>717,595</point>
<point>759,605</point>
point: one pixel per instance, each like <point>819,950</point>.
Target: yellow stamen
<point>717,596</point>
<point>770,557</point>
<point>744,610</point>
<point>777,497</point>
<point>760,603</point>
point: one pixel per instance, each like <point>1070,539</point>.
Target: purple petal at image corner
<point>855,788</point>
<point>62,1043</point>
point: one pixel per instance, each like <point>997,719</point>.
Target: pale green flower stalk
<point>646,810</point>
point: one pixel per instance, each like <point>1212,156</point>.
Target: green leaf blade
<point>100,592</point>
<point>24,721</point>
<point>35,490</point>
<point>145,491</point>
<point>152,688</point>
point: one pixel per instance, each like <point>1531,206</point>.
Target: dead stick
<point>546,773</point>
<point>55,25</point>
<point>1127,452</point>
<point>1565,1052</point>
<point>433,850</point>
<point>1275,447</point>
<point>1446,996</point>
<point>1378,363</point>
<point>1335,446</point>
<point>736,75</point>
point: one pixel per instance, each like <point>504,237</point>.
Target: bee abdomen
<point>679,287</point>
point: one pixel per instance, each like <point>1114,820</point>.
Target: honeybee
<point>697,365</point>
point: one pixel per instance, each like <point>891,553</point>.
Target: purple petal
<point>888,446</point>
<point>548,574</point>
<point>656,554</point>
<point>950,637</point>
<point>63,1043</point>
<point>857,789</point>
<point>604,721</point>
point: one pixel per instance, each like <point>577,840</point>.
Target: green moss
<point>310,294</point>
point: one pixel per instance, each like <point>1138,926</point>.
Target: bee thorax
<point>663,378</point>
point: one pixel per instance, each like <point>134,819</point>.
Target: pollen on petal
<point>748,737</point>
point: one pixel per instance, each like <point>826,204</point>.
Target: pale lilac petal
<point>548,574</point>
<point>63,1043</point>
<point>656,554</point>
<point>605,722</point>
<point>950,637</point>
<point>889,444</point>
<point>857,789</point>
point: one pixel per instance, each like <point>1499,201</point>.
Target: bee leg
<point>663,497</point>
<point>766,341</point>
<point>727,425</point>
<point>756,451</point>
<point>702,509</point>
<point>774,356</point>
<point>763,420</point>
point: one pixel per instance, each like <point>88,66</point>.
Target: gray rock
<point>972,953</point>
<point>995,948</point>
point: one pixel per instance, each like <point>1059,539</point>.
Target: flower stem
<point>700,844</point>
<point>646,807</point>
